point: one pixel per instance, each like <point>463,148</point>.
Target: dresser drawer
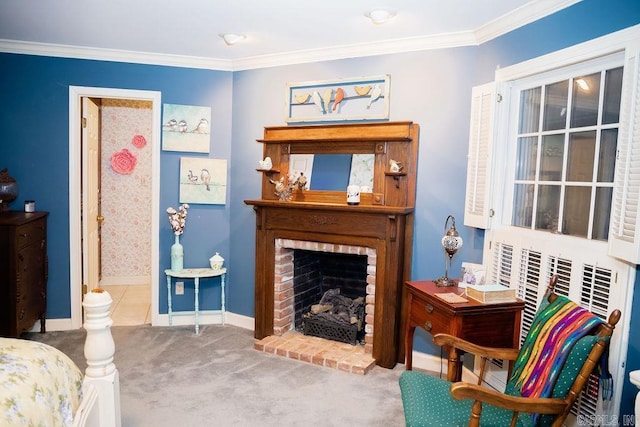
<point>32,232</point>
<point>428,316</point>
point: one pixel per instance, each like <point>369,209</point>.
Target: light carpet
<point>172,377</point>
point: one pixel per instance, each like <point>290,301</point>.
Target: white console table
<point>196,274</point>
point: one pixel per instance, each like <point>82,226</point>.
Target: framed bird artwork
<point>186,128</point>
<point>203,180</point>
<point>360,98</point>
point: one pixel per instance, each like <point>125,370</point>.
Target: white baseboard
<point>53,325</point>
<point>206,317</point>
<point>433,363</point>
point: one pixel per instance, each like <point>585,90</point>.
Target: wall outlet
<point>179,288</point>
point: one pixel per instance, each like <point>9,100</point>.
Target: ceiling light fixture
<point>583,84</point>
<point>380,16</point>
<point>232,38</point>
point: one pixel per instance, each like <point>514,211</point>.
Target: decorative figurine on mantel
<point>8,190</point>
<point>266,164</point>
<point>284,189</point>
<point>395,166</point>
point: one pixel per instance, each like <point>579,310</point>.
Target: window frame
<point>512,94</point>
<point>623,251</point>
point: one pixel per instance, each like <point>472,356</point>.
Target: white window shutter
<point>476,211</point>
<point>624,231</point>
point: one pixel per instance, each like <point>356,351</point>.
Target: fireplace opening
<point>330,295</point>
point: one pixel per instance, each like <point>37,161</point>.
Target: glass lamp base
<point>445,281</point>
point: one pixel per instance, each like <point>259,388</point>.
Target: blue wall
<point>34,100</point>
<point>431,88</point>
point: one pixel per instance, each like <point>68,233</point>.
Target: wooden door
<point>91,216</point>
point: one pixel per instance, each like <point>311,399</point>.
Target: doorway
<point>83,257</point>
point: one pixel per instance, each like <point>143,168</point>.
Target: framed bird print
<point>360,98</point>
<point>186,128</point>
<point>203,180</point>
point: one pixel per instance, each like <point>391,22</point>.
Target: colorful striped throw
<point>555,329</point>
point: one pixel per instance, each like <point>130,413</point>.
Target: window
<point>554,177</point>
<point>565,154</point>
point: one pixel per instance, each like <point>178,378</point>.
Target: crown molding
<point>384,47</point>
<point>519,17</point>
<point>100,54</point>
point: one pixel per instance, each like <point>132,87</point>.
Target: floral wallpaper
<point>126,190</point>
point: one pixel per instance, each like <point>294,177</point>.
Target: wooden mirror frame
<point>396,141</point>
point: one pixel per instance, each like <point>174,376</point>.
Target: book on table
<point>493,293</point>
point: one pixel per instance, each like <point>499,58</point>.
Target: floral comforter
<point>39,385</point>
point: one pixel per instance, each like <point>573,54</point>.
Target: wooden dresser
<point>23,271</point>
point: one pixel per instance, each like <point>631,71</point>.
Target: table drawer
<point>429,317</point>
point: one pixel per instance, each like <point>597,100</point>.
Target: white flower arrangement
<point>178,219</point>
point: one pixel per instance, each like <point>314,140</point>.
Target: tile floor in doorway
<point>131,304</point>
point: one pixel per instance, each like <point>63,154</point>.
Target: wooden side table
<point>196,274</point>
<point>493,325</point>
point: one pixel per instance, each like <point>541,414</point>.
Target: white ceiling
<point>275,29</point>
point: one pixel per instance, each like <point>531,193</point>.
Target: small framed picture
<point>472,274</point>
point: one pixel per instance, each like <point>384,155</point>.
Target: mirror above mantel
<point>376,144</point>
<point>334,172</point>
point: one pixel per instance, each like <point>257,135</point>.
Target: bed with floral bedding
<point>39,385</point>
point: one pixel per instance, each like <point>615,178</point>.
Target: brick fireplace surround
<point>286,342</point>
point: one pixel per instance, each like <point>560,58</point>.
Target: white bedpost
<point>99,349</point>
<point>634,377</point>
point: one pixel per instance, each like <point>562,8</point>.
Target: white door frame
<point>75,185</point>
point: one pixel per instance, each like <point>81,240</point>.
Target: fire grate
<point>324,328</point>
<point>336,317</point>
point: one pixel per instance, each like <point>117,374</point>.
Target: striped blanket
<point>555,329</point>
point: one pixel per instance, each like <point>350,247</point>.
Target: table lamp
<point>451,242</point>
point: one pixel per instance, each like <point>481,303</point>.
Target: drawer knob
<point>428,326</point>
<point>429,308</point>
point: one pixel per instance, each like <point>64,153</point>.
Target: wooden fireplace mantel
<point>383,220</point>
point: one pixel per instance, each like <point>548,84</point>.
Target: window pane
<point>577,201</point>
<point>548,207</point>
<point>523,205</point>
<point>612,93</point>
<point>601,214</point>
<point>584,107</point>
<point>551,159</point>
<point>529,110</point>
<point>580,156</point>
<point>607,157</point>
<point>555,106</point>
<point>527,158</point>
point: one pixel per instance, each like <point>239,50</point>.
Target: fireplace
<point>380,228</point>
<point>356,279</point>
<point>329,295</point>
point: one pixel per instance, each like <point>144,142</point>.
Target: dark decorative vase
<point>8,190</point>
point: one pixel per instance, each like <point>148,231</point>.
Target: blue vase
<point>177,255</point>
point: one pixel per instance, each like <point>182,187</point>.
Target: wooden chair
<point>431,401</point>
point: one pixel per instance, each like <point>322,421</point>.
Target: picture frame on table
<point>472,274</point>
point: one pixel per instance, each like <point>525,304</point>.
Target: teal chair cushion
<point>427,401</point>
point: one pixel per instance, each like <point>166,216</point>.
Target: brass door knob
<point>100,219</point>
